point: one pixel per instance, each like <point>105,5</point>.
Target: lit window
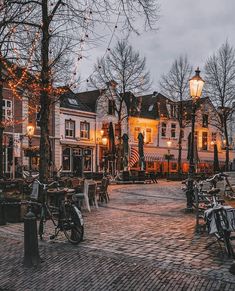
<point>84,130</point>
<point>163,130</point>
<point>148,135</point>
<point>136,133</point>
<point>70,128</point>
<point>204,141</point>
<point>7,109</point>
<point>173,130</point>
<point>213,136</point>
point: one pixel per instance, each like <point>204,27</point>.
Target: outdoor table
<point>55,195</point>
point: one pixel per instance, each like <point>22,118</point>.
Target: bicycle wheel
<point>72,224</point>
<point>227,243</point>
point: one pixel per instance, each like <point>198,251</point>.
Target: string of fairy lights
<point>16,80</point>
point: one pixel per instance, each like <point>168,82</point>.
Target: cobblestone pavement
<point>140,240</point>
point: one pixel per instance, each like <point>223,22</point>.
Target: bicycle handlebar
<point>45,186</point>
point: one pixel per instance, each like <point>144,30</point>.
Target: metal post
<point>30,156</point>
<point>168,165</point>
<point>31,252</point>
<point>189,192</point>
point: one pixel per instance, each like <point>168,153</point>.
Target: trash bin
<point>12,210</point>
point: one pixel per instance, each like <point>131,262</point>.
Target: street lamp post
<point>195,84</point>
<point>30,133</point>
<point>168,156</point>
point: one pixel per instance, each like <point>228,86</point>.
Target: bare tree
<point>128,69</point>
<point>61,28</point>
<point>220,86</point>
<point>174,84</point>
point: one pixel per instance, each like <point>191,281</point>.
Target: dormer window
<point>73,101</point>
<point>111,107</point>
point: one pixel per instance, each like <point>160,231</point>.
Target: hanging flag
<point>134,157</point>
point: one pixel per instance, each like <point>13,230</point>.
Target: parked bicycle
<point>65,216</point>
<point>219,219</point>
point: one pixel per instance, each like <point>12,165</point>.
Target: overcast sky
<point>196,28</point>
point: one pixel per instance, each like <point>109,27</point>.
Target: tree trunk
<point>1,120</point>
<point>226,147</point>
<point>119,148</point>
<point>45,96</point>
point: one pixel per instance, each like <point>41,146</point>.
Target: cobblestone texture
<point>140,240</point>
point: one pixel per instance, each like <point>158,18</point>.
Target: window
<point>173,110</point>
<point>66,161</point>
<point>163,130</point>
<point>85,130</point>
<point>70,128</point>
<point>182,133</point>
<point>72,101</point>
<point>205,120</point>
<point>148,135</point>
<point>213,136</point>
<point>87,156</point>
<point>111,107</point>
<point>7,109</point>
<point>136,133</point>
<point>204,141</point>
<point>38,115</point>
<point>173,130</point>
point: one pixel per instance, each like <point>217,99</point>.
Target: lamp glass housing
<point>196,84</point>
<point>169,143</point>
<point>30,130</point>
<point>104,140</point>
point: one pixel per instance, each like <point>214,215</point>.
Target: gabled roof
<point>70,100</point>
<point>152,106</point>
<point>89,98</point>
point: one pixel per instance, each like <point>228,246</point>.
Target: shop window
<point>111,107</point>
<point>204,120</point>
<point>173,130</point>
<point>204,141</point>
<point>66,159</point>
<point>87,155</point>
<point>7,109</point>
<point>163,129</point>
<point>136,133</point>
<point>148,135</point>
<point>70,128</point>
<point>85,130</point>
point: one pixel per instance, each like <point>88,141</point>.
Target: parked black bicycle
<point>65,216</point>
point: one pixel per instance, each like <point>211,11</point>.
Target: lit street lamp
<point>168,157</point>
<point>195,84</point>
<point>30,133</point>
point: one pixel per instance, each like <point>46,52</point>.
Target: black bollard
<point>2,208</point>
<point>31,252</point>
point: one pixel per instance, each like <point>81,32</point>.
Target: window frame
<point>82,123</point>
<point>5,108</point>
<point>173,130</point>
<point>67,121</point>
<point>163,128</point>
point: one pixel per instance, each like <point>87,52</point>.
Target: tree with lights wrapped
<point>63,27</point>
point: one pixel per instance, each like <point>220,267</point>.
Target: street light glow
<point>196,84</point>
<point>30,130</point>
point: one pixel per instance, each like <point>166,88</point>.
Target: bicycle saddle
<point>213,191</point>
